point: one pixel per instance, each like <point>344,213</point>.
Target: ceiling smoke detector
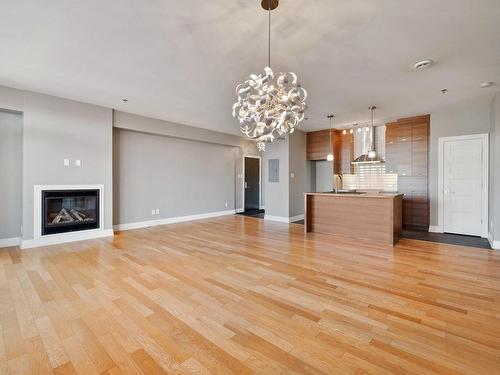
<point>423,64</point>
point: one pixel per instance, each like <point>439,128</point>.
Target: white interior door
<point>462,186</point>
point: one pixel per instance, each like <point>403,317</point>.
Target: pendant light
<point>269,105</point>
<point>329,157</point>
<point>372,154</point>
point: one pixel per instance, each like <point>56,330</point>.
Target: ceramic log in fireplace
<point>69,210</point>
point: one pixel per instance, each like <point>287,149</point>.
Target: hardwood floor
<point>239,295</point>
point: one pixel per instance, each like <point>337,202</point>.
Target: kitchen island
<point>371,216</point>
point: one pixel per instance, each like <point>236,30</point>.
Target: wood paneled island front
<point>376,217</point>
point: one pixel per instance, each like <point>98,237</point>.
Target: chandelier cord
<point>269,33</point>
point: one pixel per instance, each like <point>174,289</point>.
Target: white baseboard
<point>494,244</point>
<point>171,220</point>
<point>55,239</point>
<point>435,229</point>
<point>283,219</point>
<point>8,242</point>
<point>296,218</point>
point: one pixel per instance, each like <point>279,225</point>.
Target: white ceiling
<point>180,60</point>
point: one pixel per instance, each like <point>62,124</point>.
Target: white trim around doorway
<point>243,181</point>
<point>485,178</point>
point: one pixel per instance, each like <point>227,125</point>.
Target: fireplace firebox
<point>69,210</point>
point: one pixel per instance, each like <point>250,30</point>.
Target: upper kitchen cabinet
<point>420,148</point>
<point>407,146</point>
<point>398,149</point>
<point>318,147</point>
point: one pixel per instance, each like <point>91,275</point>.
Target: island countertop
<point>360,195</point>
<point>371,216</point>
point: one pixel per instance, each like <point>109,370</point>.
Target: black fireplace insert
<point>69,210</point>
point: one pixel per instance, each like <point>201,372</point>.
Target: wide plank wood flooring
<point>239,295</point>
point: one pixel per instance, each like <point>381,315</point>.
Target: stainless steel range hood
<point>371,157</point>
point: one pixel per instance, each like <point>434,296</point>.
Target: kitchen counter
<point>371,216</point>
<point>360,195</point>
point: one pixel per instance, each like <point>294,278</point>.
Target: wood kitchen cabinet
<point>407,150</point>
<point>318,147</point>
<point>398,152</point>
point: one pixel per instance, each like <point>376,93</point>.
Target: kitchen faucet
<point>337,176</point>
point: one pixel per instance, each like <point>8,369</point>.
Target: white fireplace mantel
<point>52,239</point>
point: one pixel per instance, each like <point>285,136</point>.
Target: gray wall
<point>494,192</point>
<point>129,121</point>
<point>324,175</point>
<point>469,117</point>
<point>177,176</point>
<point>277,194</point>
<point>11,99</point>
<point>298,166</point>
<point>311,176</point>
<point>54,129</point>
<point>11,163</point>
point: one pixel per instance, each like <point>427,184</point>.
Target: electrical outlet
<point>66,162</point>
<point>153,211</point>
<point>225,204</point>
<point>157,211</point>
<point>78,163</point>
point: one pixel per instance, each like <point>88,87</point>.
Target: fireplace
<point>69,210</point>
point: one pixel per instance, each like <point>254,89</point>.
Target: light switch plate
<point>78,162</point>
<point>66,162</point>
<point>292,175</point>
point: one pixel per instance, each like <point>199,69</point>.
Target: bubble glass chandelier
<point>269,105</point>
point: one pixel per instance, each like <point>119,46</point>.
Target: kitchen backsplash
<point>370,177</point>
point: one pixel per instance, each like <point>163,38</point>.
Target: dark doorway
<point>252,183</point>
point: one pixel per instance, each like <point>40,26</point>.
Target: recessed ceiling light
<point>487,84</point>
<point>423,64</point>
<point>125,100</point>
